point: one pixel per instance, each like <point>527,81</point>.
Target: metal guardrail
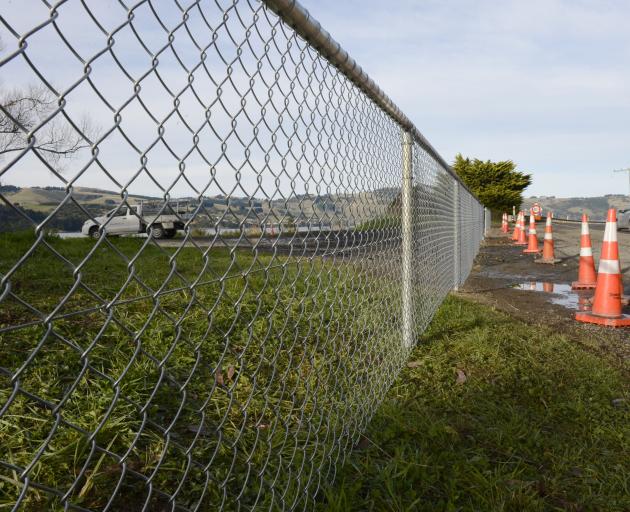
<point>578,221</point>
<point>207,372</point>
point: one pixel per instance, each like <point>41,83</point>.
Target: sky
<point>545,83</point>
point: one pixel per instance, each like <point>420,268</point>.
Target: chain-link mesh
<point>488,222</point>
<point>228,352</point>
<point>471,229</point>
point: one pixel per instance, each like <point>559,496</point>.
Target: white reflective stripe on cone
<point>585,228</point>
<point>609,267</point>
<point>610,234</point>
<point>586,251</point>
<point>548,236</point>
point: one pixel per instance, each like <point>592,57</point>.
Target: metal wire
<point>234,367</point>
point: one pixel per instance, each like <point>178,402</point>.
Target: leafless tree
<point>23,110</point>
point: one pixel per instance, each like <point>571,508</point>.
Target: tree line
<point>498,185</point>
<point>68,218</point>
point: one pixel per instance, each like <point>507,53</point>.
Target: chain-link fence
<point>488,221</point>
<point>288,235</point>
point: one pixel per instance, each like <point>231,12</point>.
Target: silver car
<point>161,221</point>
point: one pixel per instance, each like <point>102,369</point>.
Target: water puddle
<point>560,294</point>
<point>537,286</point>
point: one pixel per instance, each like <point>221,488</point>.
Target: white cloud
<point>542,82</point>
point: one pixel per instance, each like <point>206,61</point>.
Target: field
<point>183,374</point>
<point>196,370</point>
<point>506,404</point>
<point>495,414</point>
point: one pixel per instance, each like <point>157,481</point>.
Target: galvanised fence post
<point>488,222</point>
<point>407,242</point>
<point>456,237</point>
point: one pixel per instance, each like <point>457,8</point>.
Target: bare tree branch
<point>25,110</point>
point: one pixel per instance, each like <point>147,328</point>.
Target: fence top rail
<point>300,20</point>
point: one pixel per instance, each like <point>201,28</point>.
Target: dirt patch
<point>501,267</point>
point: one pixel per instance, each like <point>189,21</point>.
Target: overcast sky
<point>545,83</point>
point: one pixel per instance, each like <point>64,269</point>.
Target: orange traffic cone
<point>522,237</point>
<point>548,255</point>
<point>607,300</point>
<point>587,277</point>
<point>548,287</point>
<point>517,227</point>
<point>504,224</point>
<point>532,244</point>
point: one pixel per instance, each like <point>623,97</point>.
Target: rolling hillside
<point>329,209</point>
<point>594,207</point>
<point>44,199</point>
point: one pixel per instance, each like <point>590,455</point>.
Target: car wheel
<point>95,233</point>
<point>156,232</point>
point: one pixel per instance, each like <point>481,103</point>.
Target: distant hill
<point>37,203</point>
<point>44,199</point>
<point>573,207</point>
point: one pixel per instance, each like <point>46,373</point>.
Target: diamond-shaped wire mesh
<point>228,352</point>
<point>472,226</point>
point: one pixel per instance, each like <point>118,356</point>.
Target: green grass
<point>533,427</point>
<point>136,368</point>
<point>380,223</point>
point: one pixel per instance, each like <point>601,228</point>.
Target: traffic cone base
<point>577,285</point>
<point>548,261</point>
<point>590,318</point>
<point>607,304</point>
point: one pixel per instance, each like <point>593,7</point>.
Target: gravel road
<point>509,280</point>
<point>567,243</point>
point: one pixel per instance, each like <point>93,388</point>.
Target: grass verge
<point>133,375</point>
<point>493,414</point>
